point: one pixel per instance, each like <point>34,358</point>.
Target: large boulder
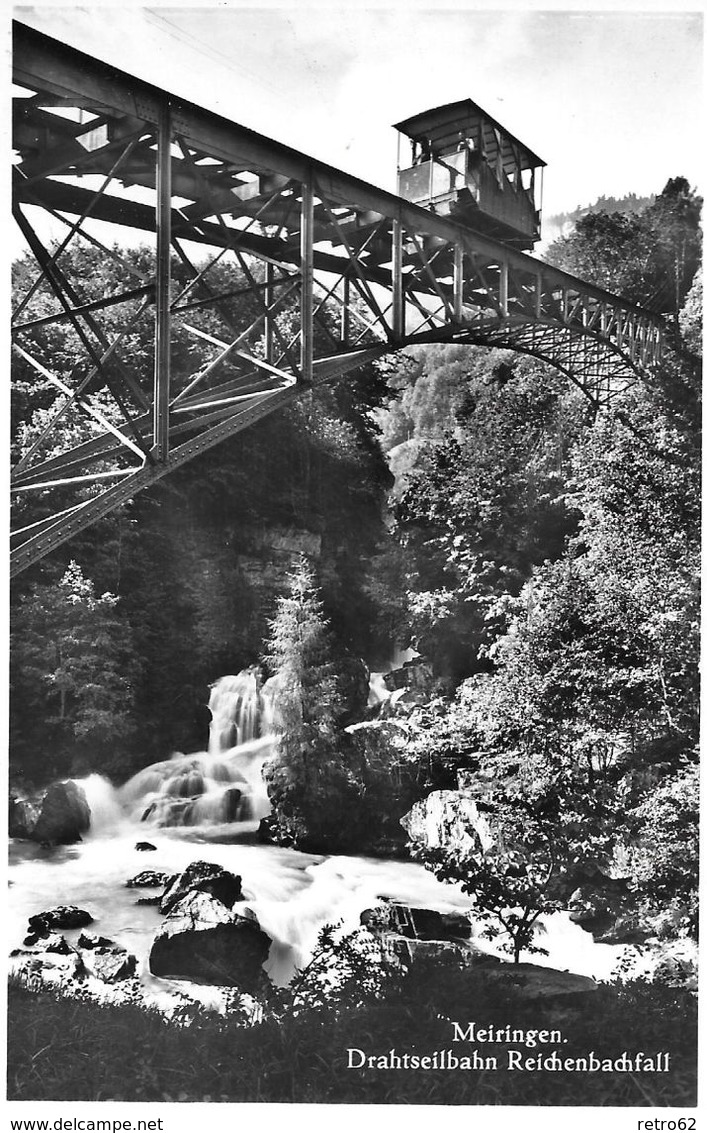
<point>149,879</point>
<point>451,819</point>
<point>267,830</point>
<point>22,817</point>
<point>408,935</point>
<point>104,959</point>
<point>606,913</point>
<point>407,951</point>
<point>205,942</point>
<point>627,928</point>
<point>416,924</point>
<point>232,804</point>
<point>533,982</point>
<point>53,942</point>
<point>203,877</point>
<point>61,916</point>
<point>64,815</point>
<point>591,910</point>
<point>416,677</point>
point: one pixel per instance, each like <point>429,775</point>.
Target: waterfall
<point>378,691</point>
<point>240,712</point>
<point>107,815</point>
<point>203,797</point>
<point>223,784</point>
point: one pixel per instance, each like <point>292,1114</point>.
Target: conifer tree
<point>300,654</point>
<point>312,789</point>
<point>73,674</point>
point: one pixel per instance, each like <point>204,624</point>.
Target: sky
<point>612,101</point>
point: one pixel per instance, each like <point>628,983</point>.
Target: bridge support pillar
<point>269,318</point>
<point>397,264</point>
<point>503,289</point>
<point>458,284</point>
<point>160,448</point>
<point>307,285</point>
<point>345,327</point>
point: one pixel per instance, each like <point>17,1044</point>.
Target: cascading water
<point>215,797</point>
<point>223,784</point>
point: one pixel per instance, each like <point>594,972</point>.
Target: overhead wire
<point>181,35</point>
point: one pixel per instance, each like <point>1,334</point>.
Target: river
<point>179,806</point>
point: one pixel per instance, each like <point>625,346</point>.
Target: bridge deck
<point>337,272</point>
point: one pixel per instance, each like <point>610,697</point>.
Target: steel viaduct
<point>365,271</point>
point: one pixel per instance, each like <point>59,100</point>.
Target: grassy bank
<point>63,1049</point>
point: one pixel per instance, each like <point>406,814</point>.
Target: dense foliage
<point>648,256</point>
<point>73,667</point>
<point>310,782</point>
<point>580,647</point>
<point>485,500</point>
<point>330,789</point>
<point>540,556</point>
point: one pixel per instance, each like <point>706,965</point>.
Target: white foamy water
<point>292,894</point>
<point>206,806</point>
<point>221,785</point>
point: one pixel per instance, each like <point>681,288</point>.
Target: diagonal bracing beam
<point>338,271</point>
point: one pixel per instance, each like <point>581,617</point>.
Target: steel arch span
<point>336,273</point>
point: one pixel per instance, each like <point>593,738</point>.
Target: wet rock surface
<point>61,916</point>
<point>233,804</point>
<point>408,951</point>
<point>203,877</point>
<point>408,934</point>
<point>416,924</point>
<point>59,818</point>
<point>448,818</point>
<point>54,942</point>
<point>204,941</point>
<point>52,957</point>
<point>22,817</point>
<point>105,959</point>
<point>149,879</point>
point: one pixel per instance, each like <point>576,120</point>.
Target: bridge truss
<point>336,271</point>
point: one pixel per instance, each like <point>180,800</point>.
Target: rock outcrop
<point>233,804</point>
<point>51,958</point>
<point>22,817</point>
<point>408,951</point>
<point>410,934</point>
<point>203,938</point>
<point>105,959</point>
<point>205,941</point>
<point>51,967</point>
<point>149,879</point>
<point>533,982</point>
<point>61,916</point>
<point>202,877</point>
<point>59,818</point>
<point>416,924</point>
<point>448,818</point>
